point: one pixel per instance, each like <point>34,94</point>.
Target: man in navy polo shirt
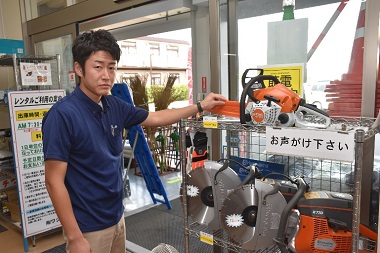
<point>82,141</point>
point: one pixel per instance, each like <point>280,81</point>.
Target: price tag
<point>206,238</point>
<point>210,122</point>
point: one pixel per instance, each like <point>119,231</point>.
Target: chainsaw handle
<point>316,109</point>
<point>247,87</point>
<point>280,238</point>
<point>244,76</point>
<point>299,122</point>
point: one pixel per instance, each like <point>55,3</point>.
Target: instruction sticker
<point>210,122</point>
<point>206,238</point>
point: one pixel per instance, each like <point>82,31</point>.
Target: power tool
<point>271,106</point>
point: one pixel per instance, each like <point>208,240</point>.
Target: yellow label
<point>31,114</point>
<point>210,122</point>
<point>206,238</point>
<point>311,195</point>
<point>37,136</point>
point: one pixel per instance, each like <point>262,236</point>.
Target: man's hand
<point>79,245</point>
<point>212,100</point>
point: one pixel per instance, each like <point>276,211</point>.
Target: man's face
<point>99,77</point>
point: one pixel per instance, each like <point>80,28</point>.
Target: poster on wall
<point>35,73</point>
<point>290,75</point>
<point>26,110</point>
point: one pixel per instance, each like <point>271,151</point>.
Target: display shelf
<point>9,60</point>
<point>7,219</point>
<point>220,239</point>
<point>6,172</point>
<point>324,175</point>
<point>14,61</point>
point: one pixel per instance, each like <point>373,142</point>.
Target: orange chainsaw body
<point>289,100</point>
<point>315,236</point>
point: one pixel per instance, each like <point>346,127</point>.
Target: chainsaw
<point>273,106</point>
<point>260,214</point>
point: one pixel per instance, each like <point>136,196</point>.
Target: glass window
<point>324,39</point>
<point>38,8</point>
<point>177,80</point>
<point>124,77</point>
<point>60,46</point>
<point>154,49</point>
<point>129,47</point>
<point>156,79</point>
<point>172,50</point>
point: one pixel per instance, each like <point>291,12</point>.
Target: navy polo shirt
<point>88,137</point>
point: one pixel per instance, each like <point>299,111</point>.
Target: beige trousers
<point>109,240</point>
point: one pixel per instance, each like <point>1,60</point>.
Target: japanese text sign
<point>289,75</point>
<point>26,110</point>
<point>35,73</point>
<point>323,144</point>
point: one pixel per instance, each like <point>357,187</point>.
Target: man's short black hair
<point>92,41</point>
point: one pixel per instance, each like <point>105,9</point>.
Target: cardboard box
<point>14,209</point>
<point>12,195</point>
<point>12,47</point>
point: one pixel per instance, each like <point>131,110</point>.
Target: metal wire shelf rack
<point>322,174</point>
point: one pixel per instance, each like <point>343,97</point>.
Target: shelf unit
<point>14,61</point>
<point>7,170</point>
<point>255,143</point>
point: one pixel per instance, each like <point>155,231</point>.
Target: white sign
<point>324,144</point>
<point>26,109</point>
<point>35,73</point>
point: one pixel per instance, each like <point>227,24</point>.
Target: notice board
<point>26,110</point>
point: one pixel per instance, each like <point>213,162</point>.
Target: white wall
<point>10,28</point>
<point>10,20</point>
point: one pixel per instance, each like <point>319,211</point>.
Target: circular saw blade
<point>200,199</point>
<point>239,213</point>
<point>206,190</point>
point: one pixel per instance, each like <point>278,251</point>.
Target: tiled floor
<point>11,241</point>
<point>140,198</point>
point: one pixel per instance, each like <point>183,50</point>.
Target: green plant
<point>182,90</point>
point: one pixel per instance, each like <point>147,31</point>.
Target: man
<point>82,139</point>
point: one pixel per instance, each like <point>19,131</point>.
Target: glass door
<point>58,42</point>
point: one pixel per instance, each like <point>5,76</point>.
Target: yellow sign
<point>210,122</point>
<point>290,76</point>
<point>31,114</point>
<point>36,136</point>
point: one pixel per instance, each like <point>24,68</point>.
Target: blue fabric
<point>78,131</point>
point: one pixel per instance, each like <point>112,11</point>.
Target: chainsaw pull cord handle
<point>245,92</point>
<point>279,239</point>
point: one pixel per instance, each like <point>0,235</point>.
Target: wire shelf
<point>320,174</point>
